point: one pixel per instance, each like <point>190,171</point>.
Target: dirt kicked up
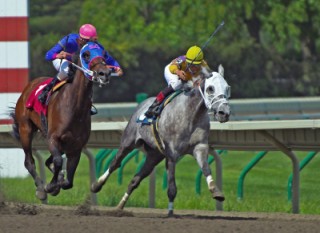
<point>25,218</point>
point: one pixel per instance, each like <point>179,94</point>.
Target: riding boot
<point>93,110</point>
<point>154,109</point>
<point>43,96</point>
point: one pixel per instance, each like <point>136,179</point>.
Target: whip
<point>206,43</point>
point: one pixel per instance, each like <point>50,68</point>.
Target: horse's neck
<point>81,89</point>
<point>196,105</point>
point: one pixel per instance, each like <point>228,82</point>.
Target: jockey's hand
<point>63,55</point>
<point>119,71</point>
<point>181,74</point>
<point>116,69</point>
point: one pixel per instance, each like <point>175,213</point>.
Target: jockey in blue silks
<point>60,55</point>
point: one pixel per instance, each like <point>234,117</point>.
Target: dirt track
<point>16,218</point>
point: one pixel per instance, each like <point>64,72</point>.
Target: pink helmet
<point>88,31</point>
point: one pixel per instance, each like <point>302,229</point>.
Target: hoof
<point>66,185</point>
<point>217,194</point>
<point>120,206</point>
<point>95,187</point>
<point>41,194</point>
<point>50,188</point>
<point>55,192</point>
<point>170,214</point>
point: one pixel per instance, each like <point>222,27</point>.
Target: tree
<point>268,48</point>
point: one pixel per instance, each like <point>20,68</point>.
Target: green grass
<point>265,186</point>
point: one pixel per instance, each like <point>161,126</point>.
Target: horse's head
<point>216,95</point>
<point>94,64</point>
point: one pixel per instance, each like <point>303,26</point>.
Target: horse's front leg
<point>53,187</point>
<point>72,164</point>
<point>172,188</point>
<point>200,153</point>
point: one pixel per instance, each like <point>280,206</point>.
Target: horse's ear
<point>221,70</point>
<point>86,56</point>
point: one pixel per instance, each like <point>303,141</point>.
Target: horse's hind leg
<point>116,163</point>
<point>72,164</point>
<point>153,158</point>
<point>201,155</point>
<point>26,133</point>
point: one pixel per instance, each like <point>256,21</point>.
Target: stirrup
<point>148,114</point>
<point>93,110</point>
<point>43,97</point>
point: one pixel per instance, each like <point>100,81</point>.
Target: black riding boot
<point>152,111</point>
<point>43,96</point>
<point>154,108</point>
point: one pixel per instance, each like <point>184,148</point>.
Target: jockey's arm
<point>52,53</point>
<point>113,64</point>
<point>59,50</point>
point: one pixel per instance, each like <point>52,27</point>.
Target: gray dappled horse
<point>184,127</point>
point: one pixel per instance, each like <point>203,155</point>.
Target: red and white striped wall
<point>14,74</point>
<point>14,61</point>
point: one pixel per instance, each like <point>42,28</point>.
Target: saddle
<point>147,121</point>
<point>34,103</point>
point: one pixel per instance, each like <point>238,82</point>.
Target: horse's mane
<point>191,91</point>
<point>72,68</point>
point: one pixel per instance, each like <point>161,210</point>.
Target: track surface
<point>16,218</point>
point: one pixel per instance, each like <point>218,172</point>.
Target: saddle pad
<point>144,120</point>
<point>33,101</point>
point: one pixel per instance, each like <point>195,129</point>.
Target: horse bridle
<point>93,74</point>
<point>221,99</point>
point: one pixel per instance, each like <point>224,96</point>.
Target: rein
<point>84,70</point>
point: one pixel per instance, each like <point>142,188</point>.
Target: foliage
<point>268,48</point>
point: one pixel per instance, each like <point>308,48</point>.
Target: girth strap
<point>159,142</point>
<point>58,85</point>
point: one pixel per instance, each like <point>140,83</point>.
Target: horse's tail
<point>15,126</point>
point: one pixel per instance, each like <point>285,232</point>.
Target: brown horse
<point>67,125</point>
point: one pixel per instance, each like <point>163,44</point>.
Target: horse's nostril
<point>101,73</point>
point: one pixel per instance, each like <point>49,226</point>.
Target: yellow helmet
<point>194,55</point>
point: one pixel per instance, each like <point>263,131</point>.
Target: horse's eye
<point>210,90</point>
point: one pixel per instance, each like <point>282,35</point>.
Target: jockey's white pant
<point>172,79</point>
<point>62,66</point>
